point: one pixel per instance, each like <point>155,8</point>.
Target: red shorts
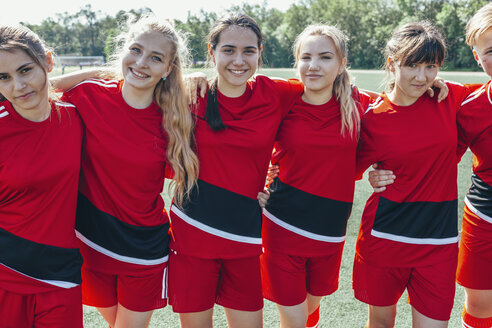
<point>430,288</point>
<point>475,254</point>
<point>287,279</point>
<point>140,293</point>
<point>196,284</point>
<point>57,309</point>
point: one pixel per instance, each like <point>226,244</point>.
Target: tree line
<point>368,23</point>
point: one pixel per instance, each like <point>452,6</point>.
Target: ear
<point>211,52</point>
<point>261,49</point>
<point>475,55</point>
<point>49,61</point>
<point>168,71</point>
<point>391,64</point>
<point>343,65</point>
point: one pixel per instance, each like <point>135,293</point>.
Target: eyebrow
<point>321,53</point>
<point>153,51</point>
<point>233,46</point>
<point>20,68</point>
<point>23,66</point>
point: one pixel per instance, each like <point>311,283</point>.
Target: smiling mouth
<point>238,71</point>
<point>138,74</point>
<point>25,96</point>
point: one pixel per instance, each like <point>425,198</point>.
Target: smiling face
<point>146,61</point>
<point>482,50</point>
<point>25,84</point>
<point>236,58</point>
<point>319,65</point>
<point>411,81</point>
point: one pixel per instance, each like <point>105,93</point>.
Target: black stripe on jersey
<point>319,215</point>
<point>40,261</point>
<point>417,220</point>
<point>480,195</point>
<point>118,237</point>
<point>224,210</point>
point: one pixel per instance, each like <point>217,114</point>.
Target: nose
<point>19,83</point>
<point>313,65</point>
<point>420,74</point>
<point>238,59</point>
<point>141,61</point>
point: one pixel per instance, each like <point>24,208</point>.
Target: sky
<point>34,11</point>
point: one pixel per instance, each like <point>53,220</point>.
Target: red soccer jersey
<point>414,221</point>
<point>223,218</point>
<point>120,212</point>
<point>475,131</point>
<point>39,175</point>
<point>311,200</point>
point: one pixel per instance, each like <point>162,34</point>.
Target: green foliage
<point>368,24</point>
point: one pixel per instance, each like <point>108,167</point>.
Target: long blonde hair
<point>342,89</point>
<point>171,96</point>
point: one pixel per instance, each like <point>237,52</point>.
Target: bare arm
<point>67,81</point>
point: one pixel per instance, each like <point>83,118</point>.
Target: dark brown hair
<point>415,43</point>
<point>21,38</point>
<point>212,115</point>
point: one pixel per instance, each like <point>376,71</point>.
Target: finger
<point>193,98</point>
<point>442,94</point>
<point>203,88</point>
<point>377,190</point>
<point>430,92</point>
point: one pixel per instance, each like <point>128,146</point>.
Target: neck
<point>231,91</point>
<point>400,99</point>
<point>137,98</point>
<point>37,115</point>
<point>317,97</point>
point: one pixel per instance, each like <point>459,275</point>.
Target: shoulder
<point>4,110</point>
<point>477,95</point>
<point>98,85</point>
<point>376,106</point>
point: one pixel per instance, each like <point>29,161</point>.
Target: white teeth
<point>237,72</point>
<point>140,75</point>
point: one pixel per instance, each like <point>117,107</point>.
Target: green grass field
<point>339,310</point>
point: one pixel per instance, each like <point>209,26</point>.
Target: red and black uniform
<point>311,199</point>
<point>413,223</point>
<point>121,221</point>
<point>475,132</point>
<point>39,176</point>
<point>305,220</point>
<point>222,219</point>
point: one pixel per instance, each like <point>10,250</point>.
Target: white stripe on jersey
<point>364,93</point>
<point>477,212</point>
<point>301,232</point>
<point>453,82</point>
<point>164,294</point>
<point>2,112</point>
<point>474,95</point>
<point>378,102</point>
<point>64,104</point>
<point>464,324</point>
<point>213,231</point>
<point>58,283</point>
<point>106,84</point>
<point>417,241</point>
<point>119,257</point>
